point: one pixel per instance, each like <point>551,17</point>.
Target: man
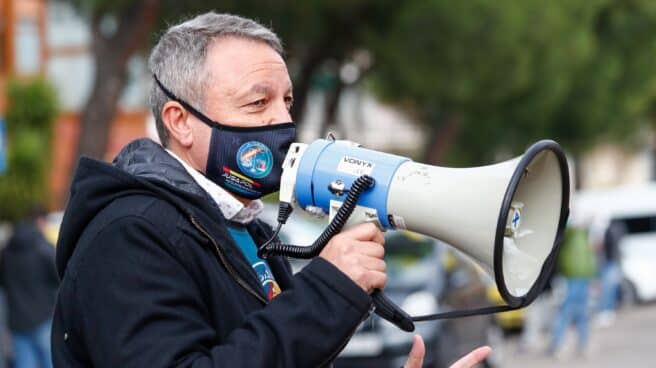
<point>28,276</point>
<point>158,252</point>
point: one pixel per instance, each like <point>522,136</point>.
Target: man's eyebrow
<point>260,88</point>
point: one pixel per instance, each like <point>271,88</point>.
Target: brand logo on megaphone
<point>355,166</point>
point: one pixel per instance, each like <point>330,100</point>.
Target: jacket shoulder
<point>161,216</point>
<point>160,213</point>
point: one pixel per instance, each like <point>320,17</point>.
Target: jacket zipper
<point>346,341</point>
<point>225,263</point>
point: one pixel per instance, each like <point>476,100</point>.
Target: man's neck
<point>185,155</point>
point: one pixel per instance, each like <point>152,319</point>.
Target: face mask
<point>244,161</point>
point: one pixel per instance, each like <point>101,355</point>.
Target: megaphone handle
<point>386,309</point>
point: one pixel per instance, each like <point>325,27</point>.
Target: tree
<point>118,30</point>
<point>32,111</point>
<point>492,76</point>
<point>463,76</point>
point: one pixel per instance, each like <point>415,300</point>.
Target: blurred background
<point>449,83</point>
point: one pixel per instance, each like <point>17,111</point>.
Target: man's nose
<point>279,113</point>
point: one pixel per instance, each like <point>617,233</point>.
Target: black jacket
<point>151,278</point>
<point>28,276</point>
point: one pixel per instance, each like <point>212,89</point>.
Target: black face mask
<point>244,161</point>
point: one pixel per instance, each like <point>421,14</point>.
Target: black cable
<point>384,307</point>
<point>274,247</point>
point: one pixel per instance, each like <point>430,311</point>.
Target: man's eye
<point>259,103</point>
<point>289,101</point>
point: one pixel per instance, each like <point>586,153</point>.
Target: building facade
<point>51,39</point>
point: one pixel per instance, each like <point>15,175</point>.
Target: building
<point>49,38</point>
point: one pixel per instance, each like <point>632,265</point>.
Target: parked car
<point>635,208</point>
<point>638,259</point>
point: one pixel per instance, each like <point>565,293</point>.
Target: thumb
<point>473,358</point>
<point>416,355</point>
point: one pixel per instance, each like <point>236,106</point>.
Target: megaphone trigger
<point>386,309</point>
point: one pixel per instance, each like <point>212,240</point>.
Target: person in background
<point>536,318</point>
<point>610,272</point>
<point>29,278</point>
<point>577,264</point>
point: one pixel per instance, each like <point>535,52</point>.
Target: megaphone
<point>507,216</point>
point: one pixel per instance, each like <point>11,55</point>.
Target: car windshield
<point>412,261</point>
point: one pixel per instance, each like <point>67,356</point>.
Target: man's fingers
<point>376,280</point>
<point>416,355</point>
<point>473,358</point>
<point>365,232</point>
<point>371,249</point>
<point>373,264</point>
<point>379,237</point>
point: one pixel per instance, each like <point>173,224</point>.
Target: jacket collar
<point>150,162</point>
<point>231,208</point>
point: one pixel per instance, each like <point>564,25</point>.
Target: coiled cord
<point>384,307</point>
<point>274,247</point>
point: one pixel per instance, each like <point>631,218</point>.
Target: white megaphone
<point>506,216</point>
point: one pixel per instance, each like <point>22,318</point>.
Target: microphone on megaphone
<point>508,217</point>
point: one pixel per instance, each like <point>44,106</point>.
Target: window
<point>642,224</point>
<point>27,47</point>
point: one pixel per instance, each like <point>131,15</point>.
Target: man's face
<point>248,86</point>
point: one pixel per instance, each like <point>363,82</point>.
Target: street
<point>630,342</point>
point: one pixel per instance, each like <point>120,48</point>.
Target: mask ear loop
<point>212,123</point>
<point>209,122</point>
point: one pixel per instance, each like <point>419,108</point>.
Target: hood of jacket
<point>143,166</point>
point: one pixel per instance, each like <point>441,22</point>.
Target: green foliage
<point>32,110</point>
<point>514,71</point>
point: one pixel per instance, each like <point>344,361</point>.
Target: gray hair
<point>178,58</point>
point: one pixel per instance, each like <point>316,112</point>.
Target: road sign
<point>3,147</point>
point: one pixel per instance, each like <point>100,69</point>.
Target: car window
<point>638,225</point>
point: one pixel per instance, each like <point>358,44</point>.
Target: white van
<point>635,207</point>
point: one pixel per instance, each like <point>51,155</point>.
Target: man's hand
<point>416,355</point>
<point>358,252</point>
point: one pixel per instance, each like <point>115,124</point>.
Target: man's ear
<point>177,122</point>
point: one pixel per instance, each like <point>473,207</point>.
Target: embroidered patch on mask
<point>255,159</point>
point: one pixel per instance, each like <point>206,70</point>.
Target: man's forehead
<point>231,61</point>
